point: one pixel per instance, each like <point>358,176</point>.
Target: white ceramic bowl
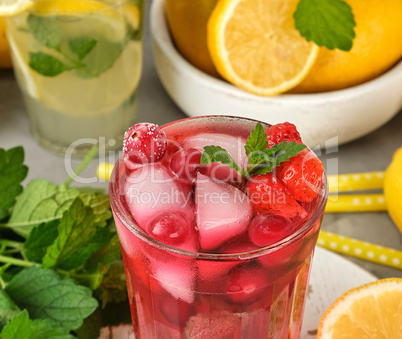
<point>323,119</point>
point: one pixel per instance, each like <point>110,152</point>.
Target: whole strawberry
<point>269,195</point>
<point>282,132</point>
<point>302,175</point>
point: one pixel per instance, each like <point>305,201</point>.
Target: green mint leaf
<point>18,327</point>
<point>46,64</point>
<point>218,154</point>
<point>259,161</point>
<point>257,141</point>
<point>113,287</point>
<point>274,156</point>
<point>97,63</point>
<point>108,253</point>
<point>100,205</point>
<point>39,239</point>
<point>81,46</point>
<point>76,229</point>
<point>45,295</point>
<point>12,173</point>
<point>40,202</point>
<point>328,23</point>
<point>83,253</point>
<point>45,31</point>
<point>47,328</point>
<point>8,309</point>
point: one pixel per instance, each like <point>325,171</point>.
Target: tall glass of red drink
<point>204,256</point>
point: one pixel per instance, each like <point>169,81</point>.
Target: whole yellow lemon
<point>187,21</point>
<point>5,59</point>
<point>376,48</point>
<point>393,188</point>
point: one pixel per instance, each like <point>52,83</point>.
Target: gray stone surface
<point>370,153</point>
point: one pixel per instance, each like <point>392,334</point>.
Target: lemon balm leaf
<point>97,63</point>
<point>82,46</point>
<point>265,161</point>
<point>100,205</point>
<point>45,31</point>
<point>40,238</point>
<point>76,229</point>
<point>328,23</point>
<point>12,173</point>
<point>40,202</point>
<point>8,309</point>
<point>46,328</point>
<point>46,64</point>
<point>218,154</point>
<point>17,327</point>
<point>257,141</point>
<point>45,295</point>
<point>83,253</point>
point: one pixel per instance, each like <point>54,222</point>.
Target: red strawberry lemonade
<point>216,238</point>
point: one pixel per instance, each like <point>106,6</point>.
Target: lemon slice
<point>254,44</point>
<point>13,7</point>
<point>66,6</point>
<point>373,310</point>
<point>132,15</point>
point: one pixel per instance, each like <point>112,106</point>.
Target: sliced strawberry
<point>302,175</point>
<point>282,132</point>
<point>268,194</point>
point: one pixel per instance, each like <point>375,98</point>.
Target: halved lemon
<point>254,45</point>
<point>13,7</point>
<point>372,310</point>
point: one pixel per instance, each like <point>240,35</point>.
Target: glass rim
<point>123,214</point>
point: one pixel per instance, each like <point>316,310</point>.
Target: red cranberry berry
<point>144,143</point>
<point>266,229</point>
<point>175,311</point>
<point>246,286</point>
<point>170,228</point>
<point>185,163</point>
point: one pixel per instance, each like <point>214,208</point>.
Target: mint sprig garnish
<point>60,257</point>
<point>261,159</point>
<point>328,23</point>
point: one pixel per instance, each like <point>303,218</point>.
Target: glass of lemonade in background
<point>193,267</point>
<point>78,64</point>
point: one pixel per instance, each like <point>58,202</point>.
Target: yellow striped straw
<point>355,182</point>
<point>356,203</point>
<point>360,249</point>
<point>104,170</point>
